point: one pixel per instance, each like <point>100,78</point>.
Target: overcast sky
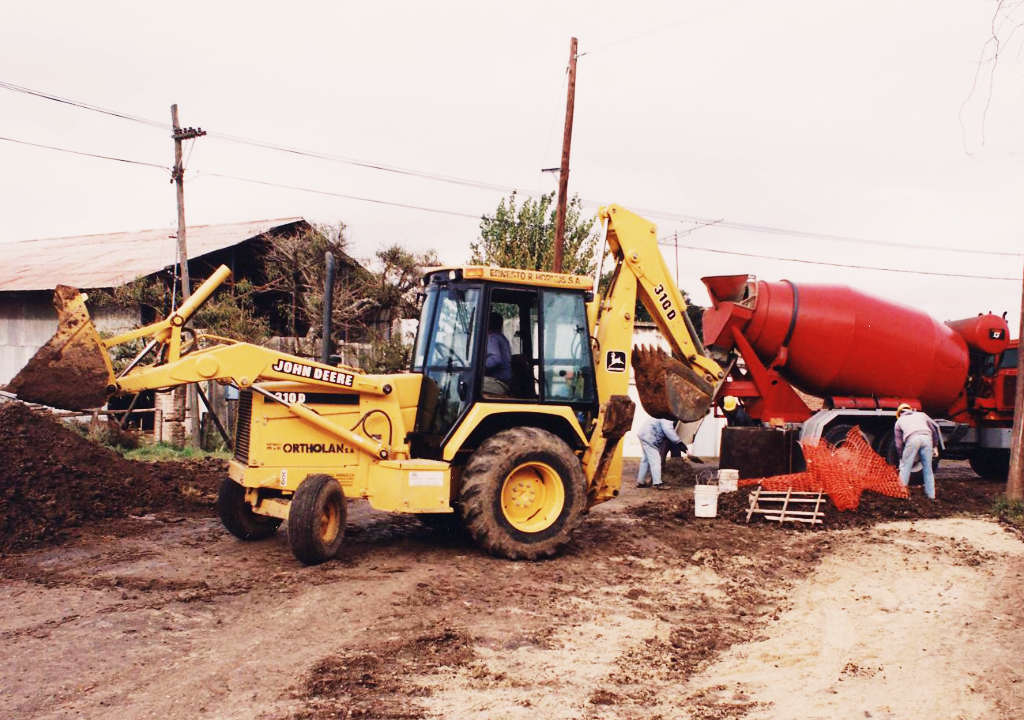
<point>842,118</point>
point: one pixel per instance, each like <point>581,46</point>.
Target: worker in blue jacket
<point>656,438</point>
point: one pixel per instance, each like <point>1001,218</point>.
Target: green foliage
<point>230,311</point>
<point>366,302</point>
<point>1010,512</point>
<point>385,355</point>
<point>166,451</point>
<point>523,236</point>
<point>398,279</point>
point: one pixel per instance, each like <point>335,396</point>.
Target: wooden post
<point>563,177</point>
<point>178,178</point>
<point>1015,479</point>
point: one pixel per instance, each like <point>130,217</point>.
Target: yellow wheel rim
<point>330,522</point>
<point>532,497</point>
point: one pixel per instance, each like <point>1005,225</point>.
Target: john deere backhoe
<point>517,463</point>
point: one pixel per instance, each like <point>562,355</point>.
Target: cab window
<point>568,371</point>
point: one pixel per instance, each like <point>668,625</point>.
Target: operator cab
<point>495,335</point>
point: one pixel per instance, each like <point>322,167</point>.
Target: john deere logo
<point>615,361</point>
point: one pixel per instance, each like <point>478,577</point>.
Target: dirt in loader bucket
<point>71,371</point>
<point>669,389</point>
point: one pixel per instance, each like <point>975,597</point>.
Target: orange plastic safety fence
<point>842,472</point>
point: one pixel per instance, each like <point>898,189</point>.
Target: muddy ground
<point>650,613</point>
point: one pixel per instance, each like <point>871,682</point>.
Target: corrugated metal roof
<point>112,259</point>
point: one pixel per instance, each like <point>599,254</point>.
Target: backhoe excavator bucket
<point>668,388</point>
<point>72,370</point>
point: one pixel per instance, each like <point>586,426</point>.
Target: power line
<point>483,185</point>
<point>255,181</point>
<point>82,105</point>
<point>423,208</point>
<point>769,229</point>
<point>383,167</point>
<point>878,268</point>
<point>86,154</point>
<point>316,191</point>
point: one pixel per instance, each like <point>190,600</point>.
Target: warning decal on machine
<point>426,478</point>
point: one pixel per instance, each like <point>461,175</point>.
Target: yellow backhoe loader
<point>515,455</point>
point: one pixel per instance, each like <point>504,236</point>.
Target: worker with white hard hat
<point>917,438</point>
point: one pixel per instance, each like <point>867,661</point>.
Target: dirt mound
<point>56,479</point>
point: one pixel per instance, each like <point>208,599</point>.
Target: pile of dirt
<point>55,480</point>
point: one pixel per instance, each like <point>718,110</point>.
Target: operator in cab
<point>498,363</point>
<point>917,438</point>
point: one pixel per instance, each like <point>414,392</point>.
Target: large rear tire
<point>316,519</point>
<point>238,517</point>
<point>523,494</point>
<point>991,463</point>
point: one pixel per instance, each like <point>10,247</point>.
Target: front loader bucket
<point>72,370</point>
<point>668,388</point>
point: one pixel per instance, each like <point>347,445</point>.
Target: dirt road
<point>650,614</point>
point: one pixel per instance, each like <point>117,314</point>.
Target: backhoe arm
<point>679,387</point>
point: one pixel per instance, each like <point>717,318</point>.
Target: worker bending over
<point>917,438</point>
<point>656,438</point>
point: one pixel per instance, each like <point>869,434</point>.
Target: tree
<point>295,269</point>
<point>397,280</point>
<point>523,236</point>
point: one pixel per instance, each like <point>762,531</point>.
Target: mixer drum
<point>842,342</point>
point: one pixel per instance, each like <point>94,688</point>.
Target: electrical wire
<point>86,154</point>
<point>316,191</point>
<point>85,106</point>
<point>878,268</point>
<point>769,229</point>
<point>483,185</point>
<point>422,208</point>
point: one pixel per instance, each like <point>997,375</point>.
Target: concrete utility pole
<point>1015,480</point>
<point>563,177</point>
<point>178,178</point>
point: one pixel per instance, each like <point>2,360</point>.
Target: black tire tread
<point>238,518</point>
<point>990,463</point>
<point>302,518</point>
<point>484,475</point>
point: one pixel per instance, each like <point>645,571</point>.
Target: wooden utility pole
<point>178,178</point>
<point>1015,480</point>
<point>563,177</point>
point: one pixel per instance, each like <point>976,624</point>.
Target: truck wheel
<point>835,435</point>
<point>316,519</point>
<point>887,449</point>
<point>237,515</point>
<point>523,494</point>
<point>991,463</point>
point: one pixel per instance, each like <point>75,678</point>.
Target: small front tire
<point>238,517</point>
<point>316,519</point>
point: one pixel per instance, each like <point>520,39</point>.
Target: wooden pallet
<point>776,505</point>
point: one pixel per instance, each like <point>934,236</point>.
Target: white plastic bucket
<point>705,501</point>
<point>728,480</point>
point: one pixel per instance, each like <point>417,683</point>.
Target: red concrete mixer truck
<point>863,356</point>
